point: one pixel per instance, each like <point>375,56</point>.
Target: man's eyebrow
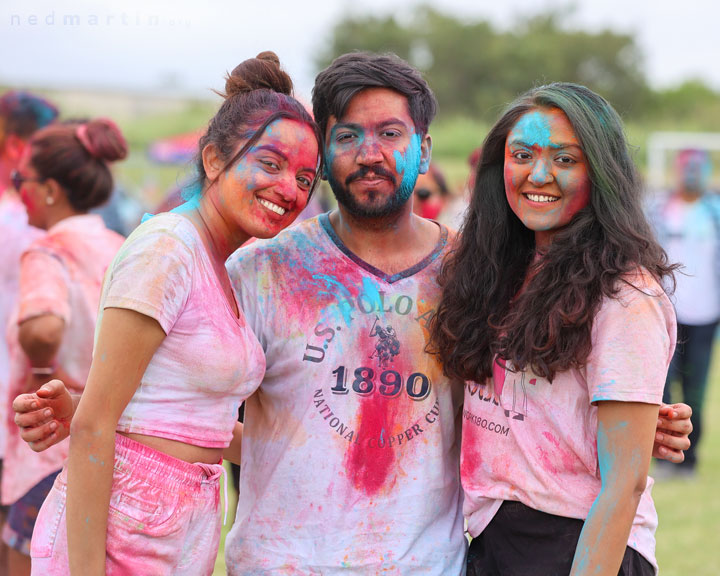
<point>356,126</point>
<point>348,125</point>
<point>389,121</point>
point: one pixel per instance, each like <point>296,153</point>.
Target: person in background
<point>431,193</point>
<point>687,223</point>
<point>61,176</point>
<point>21,114</point>
<point>121,212</point>
<point>433,199</point>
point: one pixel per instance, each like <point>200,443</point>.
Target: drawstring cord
<point>213,474</point>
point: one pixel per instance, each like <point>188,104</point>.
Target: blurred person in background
<point>687,222</point>
<point>21,114</point>
<point>431,193</point>
<point>62,174</point>
<point>122,211</point>
<point>435,200</point>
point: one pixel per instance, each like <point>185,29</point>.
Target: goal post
<point>660,144</point>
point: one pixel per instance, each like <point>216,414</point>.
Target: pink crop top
<point>210,360</point>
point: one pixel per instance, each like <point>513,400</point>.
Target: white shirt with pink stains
<point>17,235</point>
<point>210,360</point>
<point>351,445</point>
<point>529,440</point>
<point>61,275</point>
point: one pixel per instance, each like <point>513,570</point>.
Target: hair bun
<point>269,56</point>
<point>102,139</point>
<point>260,73</point>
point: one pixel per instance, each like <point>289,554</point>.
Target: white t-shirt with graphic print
<point>351,443</point>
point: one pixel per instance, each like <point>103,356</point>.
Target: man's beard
<point>390,207</point>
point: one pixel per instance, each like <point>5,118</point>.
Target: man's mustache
<point>378,171</point>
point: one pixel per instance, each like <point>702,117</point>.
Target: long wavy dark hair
<point>500,298</point>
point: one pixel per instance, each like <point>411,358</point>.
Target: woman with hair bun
<point>554,314</point>
<point>64,174</point>
<point>174,356</point>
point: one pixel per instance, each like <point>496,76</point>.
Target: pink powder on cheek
<point>577,185</point>
<point>512,179</point>
<point>27,200</point>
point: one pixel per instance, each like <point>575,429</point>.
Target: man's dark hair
<point>350,73</point>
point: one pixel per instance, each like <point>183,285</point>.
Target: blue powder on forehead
<point>533,129</point>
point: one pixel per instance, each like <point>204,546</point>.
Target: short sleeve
<point>632,344</point>
<point>152,272</point>
<point>43,286</point>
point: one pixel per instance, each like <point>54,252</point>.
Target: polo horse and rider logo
<point>387,345</point>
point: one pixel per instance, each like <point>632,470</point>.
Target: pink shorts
<point>164,517</point>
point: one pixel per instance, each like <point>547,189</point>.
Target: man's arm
<point>673,429</point>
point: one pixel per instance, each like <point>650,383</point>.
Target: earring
<point>49,200</point>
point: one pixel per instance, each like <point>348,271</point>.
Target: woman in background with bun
<point>64,174</point>
<point>174,357</point>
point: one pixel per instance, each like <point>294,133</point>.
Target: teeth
<point>541,198</point>
<point>270,206</point>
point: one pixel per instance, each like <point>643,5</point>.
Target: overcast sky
<point>190,44</point>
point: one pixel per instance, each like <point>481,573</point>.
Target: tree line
<point>475,68</point>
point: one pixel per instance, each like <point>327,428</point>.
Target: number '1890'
<point>389,383</point>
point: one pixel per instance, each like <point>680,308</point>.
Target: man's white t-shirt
<point>351,444</point>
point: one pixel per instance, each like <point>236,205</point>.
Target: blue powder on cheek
<point>331,149</point>
<point>409,166</point>
<point>329,157</point>
<point>533,129</point>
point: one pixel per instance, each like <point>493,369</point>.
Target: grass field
<point>688,537</point>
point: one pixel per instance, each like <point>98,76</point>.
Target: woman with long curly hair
<point>554,314</point>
